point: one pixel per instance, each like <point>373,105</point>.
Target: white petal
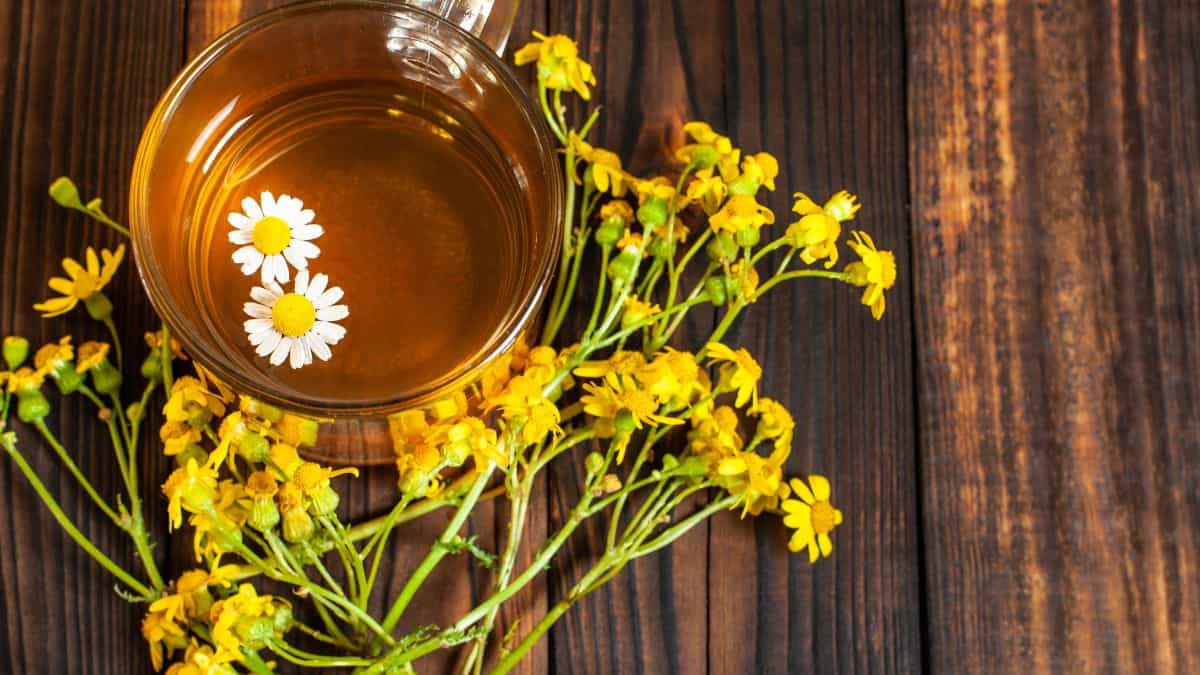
<point>306,249</point>
<point>329,298</point>
<point>240,237</point>
<point>330,332</point>
<point>275,289</point>
<point>269,344</point>
<point>263,335</point>
<point>283,204</point>
<point>250,208</point>
<point>297,354</point>
<point>307,232</point>
<point>281,350</point>
<point>301,282</point>
<point>335,313</point>
<point>265,296</point>
<point>256,310</point>
<point>317,287</point>
<point>318,346</point>
<point>253,326</point>
<point>303,216</point>
<point>268,203</point>
<point>294,258</point>
<point>240,221</point>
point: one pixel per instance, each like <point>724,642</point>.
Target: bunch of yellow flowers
<point>657,422</point>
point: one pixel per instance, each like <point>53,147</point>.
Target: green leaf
<point>65,193</point>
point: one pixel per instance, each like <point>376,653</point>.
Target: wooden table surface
<point>1016,446</point>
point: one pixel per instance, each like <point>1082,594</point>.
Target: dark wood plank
<point>1055,167</point>
<point>831,108</point>
<point>77,82</point>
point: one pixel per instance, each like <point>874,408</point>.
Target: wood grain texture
<point>77,82</point>
<point>1055,167</point>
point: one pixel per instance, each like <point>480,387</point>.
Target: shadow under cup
<point>291,57</point>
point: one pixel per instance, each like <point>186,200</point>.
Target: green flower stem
<point>79,477</point>
<point>662,338</point>
<point>682,527</point>
<point>551,118</point>
<point>565,443</point>
<point>356,578</point>
<point>598,302</point>
<point>436,552</point>
<point>166,356</point>
<point>569,294</point>
<point>787,260</point>
<point>758,255</point>
<point>514,657</point>
<point>101,217</point>
<point>631,482</point>
<point>69,527</point>
<point>119,412</point>
<point>255,663</point>
<point>330,582</point>
<point>651,278</point>
<point>310,660</point>
<point>320,636</point>
<point>671,222</point>
<point>401,657</point>
<point>135,429</point>
<point>798,274</point>
<point>735,307</point>
<point>116,340</point>
<point>379,540</point>
<point>635,327</point>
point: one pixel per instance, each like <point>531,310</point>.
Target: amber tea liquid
<point>423,230</point>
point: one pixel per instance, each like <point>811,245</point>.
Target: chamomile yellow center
<point>824,517</point>
<point>272,234</point>
<point>293,314</point>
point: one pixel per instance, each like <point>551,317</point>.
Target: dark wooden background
<point>1016,446</point>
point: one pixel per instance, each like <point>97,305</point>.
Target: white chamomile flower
<point>298,324</point>
<point>274,233</point>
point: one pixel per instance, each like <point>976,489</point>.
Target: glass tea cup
<point>429,168</point>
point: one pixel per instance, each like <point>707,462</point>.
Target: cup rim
<point>515,323</point>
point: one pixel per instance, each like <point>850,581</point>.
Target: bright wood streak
<point>1016,458</point>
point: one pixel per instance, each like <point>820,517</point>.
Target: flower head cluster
<point>558,64</point>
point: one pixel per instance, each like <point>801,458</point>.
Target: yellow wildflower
<point>811,516</point>
<point>163,633</point>
<point>84,282</point>
<point>471,437</point>
<point>621,362</point>
<point>154,342</point>
<point>91,354</point>
<point>876,272</point>
<point>674,377</point>
<point>630,241</point>
<point>745,279</point>
<point>297,524</point>
<point>817,231</point>
<point>709,192</point>
<point>635,311</point>
<point>52,356</point>
<point>313,480</point>
<point>284,459</point>
<point>739,213</point>
<point>762,168</point>
<point>605,166</point>
<point>190,400</point>
<point>495,377</point>
<point>523,404</point>
<point>623,406</point>
<point>757,480</point>
<point>449,407</point>
<point>658,187</point>
<point>739,371</point>
<point>201,660</point>
<point>176,436</point>
<point>413,440</point>
<point>296,430</point>
<point>24,379</point>
<point>618,209</point>
<point>213,384</point>
<point>558,64</point>
<point>775,423</point>
<point>543,365</point>
<point>244,620</point>
<point>193,487</point>
<point>716,434</point>
<point>212,527</point>
<point>709,150</point>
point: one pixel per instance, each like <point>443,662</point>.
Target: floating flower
<point>299,323</point>
<point>84,284</point>
<point>558,64</point>
<point>273,234</point>
<point>812,516</point>
<point>876,272</point>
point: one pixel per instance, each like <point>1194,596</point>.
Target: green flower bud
<point>705,156</point>
<point>661,248</point>
<point>134,412</point>
<point>253,446</point>
<point>624,421</point>
<point>747,236</point>
<point>65,193</point>
<point>722,248</point>
<point>16,350</point>
<point>32,406</point>
<point>621,268</point>
<point>254,631</point>
<point>594,462</point>
<point>67,379</point>
<point>191,451</point>
<point>152,367</point>
<point>105,378</point>
<point>297,526</point>
<point>324,501</point>
<point>610,231</point>
<point>98,306</point>
<point>283,619</point>
<point>714,287</point>
<point>413,483</point>
<point>198,416</point>
<point>744,185</point>
<point>264,514</point>
<point>653,212</point>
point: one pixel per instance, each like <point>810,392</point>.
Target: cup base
<point>363,441</point>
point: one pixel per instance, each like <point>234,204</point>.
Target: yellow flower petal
<point>55,306</point>
<point>61,285</point>
<point>820,487</point>
<point>826,544</point>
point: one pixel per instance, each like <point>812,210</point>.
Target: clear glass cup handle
<point>489,20</point>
